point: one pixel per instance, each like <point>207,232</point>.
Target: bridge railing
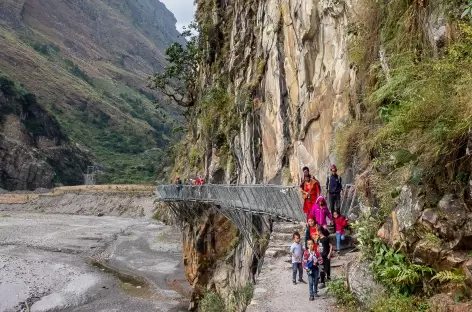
<point>283,201</point>
<point>276,200</point>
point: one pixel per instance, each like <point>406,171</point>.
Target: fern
<point>455,276</point>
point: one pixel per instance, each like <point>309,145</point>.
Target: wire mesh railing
<point>275,200</point>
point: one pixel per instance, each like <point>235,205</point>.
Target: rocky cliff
<point>380,88</point>
<point>34,152</point>
<point>287,68</point>
<point>88,63</point>
<point>221,261</point>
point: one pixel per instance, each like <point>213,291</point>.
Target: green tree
<point>178,81</point>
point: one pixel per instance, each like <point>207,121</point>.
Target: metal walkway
<point>240,203</point>
<point>278,201</point>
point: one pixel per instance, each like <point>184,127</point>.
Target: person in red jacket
<point>310,189</point>
<point>200,181</point>
<point>340,223</point>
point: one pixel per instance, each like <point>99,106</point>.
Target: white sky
<point>183,11</point>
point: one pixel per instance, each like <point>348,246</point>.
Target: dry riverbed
<point>57,262</point>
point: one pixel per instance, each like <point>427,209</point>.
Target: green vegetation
<point>241,297</point>
<point>467,13</point>
<point>238,299</point>
<point>406,282</point>
<point>179,79</point>
<point>211,302</point>
<point>339,290</point>
<point>46,49</point>
<point>395,302</point>
<point>417,107</point>
<point>100,106</point>
<point>76,71</point>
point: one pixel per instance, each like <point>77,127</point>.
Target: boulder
<point>410,207</point>
<point>429,217</point>
<point>465,235</point>
<point>445,303</point>
<point>451,261</point>
<point>362,284</point>
<point>425,253</point>
<point>445,231</point>
<point>453,205</point>
<point>467,268</point>
<point>389,230</point>
<point>455,224</point>
<point>386,231</point>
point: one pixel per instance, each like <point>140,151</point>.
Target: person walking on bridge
<point>310,189</point>
<point>334,188</point>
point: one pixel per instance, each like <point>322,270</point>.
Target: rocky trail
<point>274,290</point>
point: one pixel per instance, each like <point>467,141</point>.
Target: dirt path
<point>274,290</point>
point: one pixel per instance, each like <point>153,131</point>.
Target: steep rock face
<point>217,257</point>
<point>34,151</point>
<point>289,70</point>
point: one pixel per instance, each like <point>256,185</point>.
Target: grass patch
<point>340,291</point>
<point>400,303</point>
<point>241,297</point>
<point>211,302</point>
<point>432,240</point>
<point>238,300</point>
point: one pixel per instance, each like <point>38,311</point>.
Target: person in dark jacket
<point>334,188</point>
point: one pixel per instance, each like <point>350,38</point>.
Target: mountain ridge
<point>88,63</point>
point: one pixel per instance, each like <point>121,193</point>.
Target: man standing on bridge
<point>334,189</point>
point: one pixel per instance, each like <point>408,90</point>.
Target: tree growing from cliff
<point>178,81</point>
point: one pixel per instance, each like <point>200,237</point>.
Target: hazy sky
<point>182,9</point>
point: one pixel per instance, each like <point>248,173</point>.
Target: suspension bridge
<point>277,201</point>
<point>241,203</point>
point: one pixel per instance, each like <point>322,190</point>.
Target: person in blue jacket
<point>334,188</point>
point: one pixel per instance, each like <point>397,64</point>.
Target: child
<point>320,211</point>
<point>340,224</point>
<point>297,252</point>
<point>311,261</point>
<point>312,231</point>
<point>326,250</point>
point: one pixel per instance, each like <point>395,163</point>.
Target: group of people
<point>198,181</point>
<point>311,189</point>
<point>315,256</point>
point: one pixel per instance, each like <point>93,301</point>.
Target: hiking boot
<point>312,298</point>
<point>316,295</point>
<point>301,281</point>
<point>322,285</point>
<point>294,282</point>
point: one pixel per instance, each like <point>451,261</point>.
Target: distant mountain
<point>88,62</point>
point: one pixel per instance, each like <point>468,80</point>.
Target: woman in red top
<point>310,189</point>
<point>312,232</point>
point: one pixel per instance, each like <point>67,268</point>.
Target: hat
<point>333,167</point>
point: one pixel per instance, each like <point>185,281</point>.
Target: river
<point>56,262</point>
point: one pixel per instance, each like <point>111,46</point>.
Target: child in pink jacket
<point>320,212</point>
